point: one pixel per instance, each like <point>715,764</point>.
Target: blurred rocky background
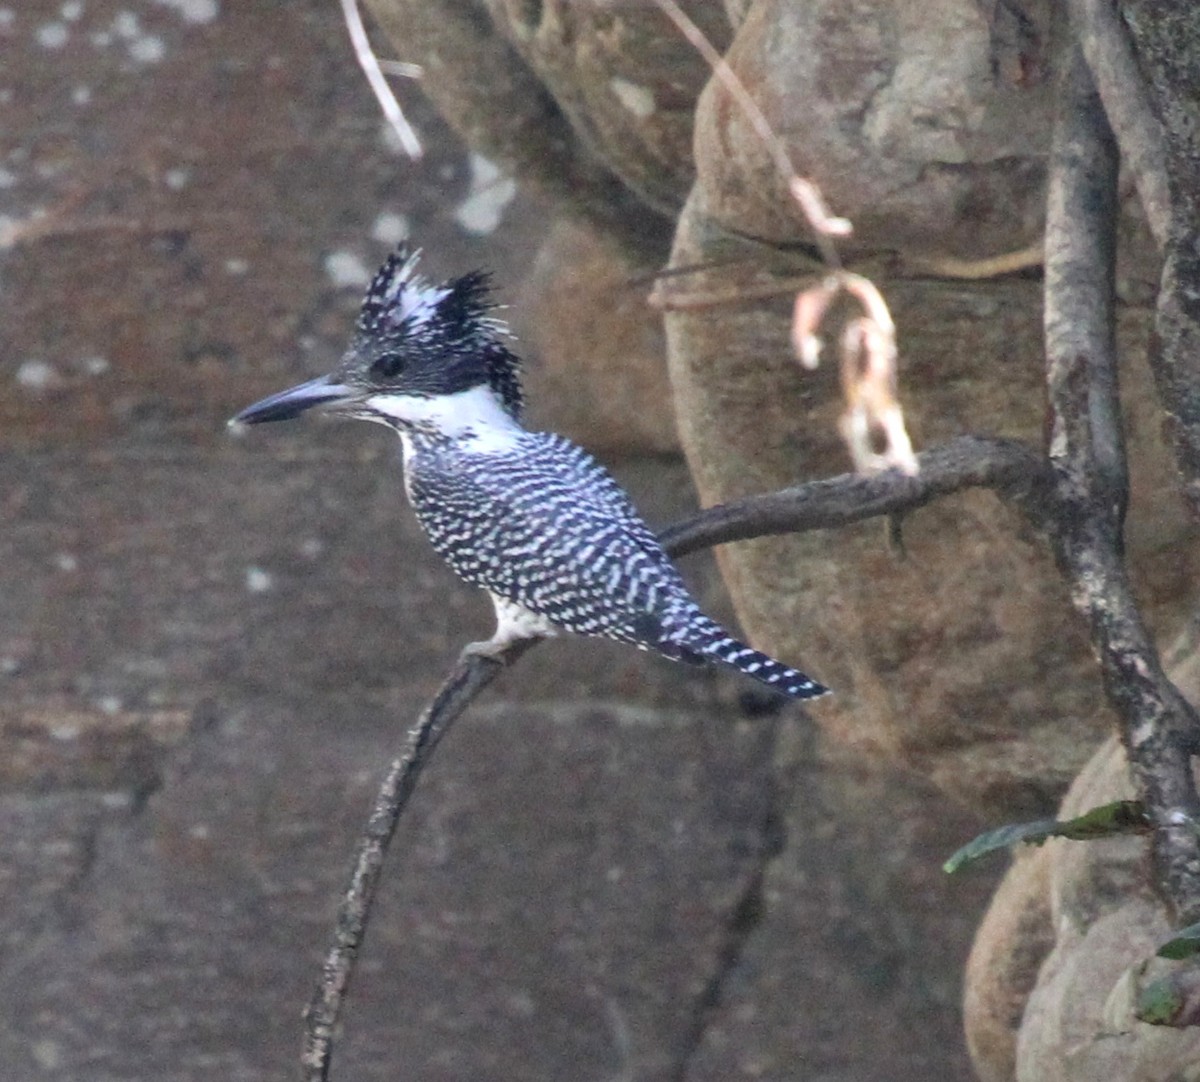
<point>209,648</point>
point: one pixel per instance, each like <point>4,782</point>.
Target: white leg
<point>513,623</point>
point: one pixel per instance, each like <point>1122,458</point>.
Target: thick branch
<point>1166,37</point>
<point>1087,456</point>
<point>1008,467</point>
<point>1101,33</point>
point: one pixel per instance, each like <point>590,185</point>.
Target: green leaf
<point>1158,1003</point>
<point>1000,838</point>
<point>1106,821</point>
<point>1183,944</point>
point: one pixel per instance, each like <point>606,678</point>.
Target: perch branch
<point>1009,467</point>
<point>1098,28</point>
<point>1087,456</point>
<point>469,677</point>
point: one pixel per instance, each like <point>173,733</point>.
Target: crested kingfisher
<point>528,516</point>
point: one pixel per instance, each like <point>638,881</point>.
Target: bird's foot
<point>493,649</point>
<point>498,649</point>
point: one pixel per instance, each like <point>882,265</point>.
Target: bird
<point>529,516</point>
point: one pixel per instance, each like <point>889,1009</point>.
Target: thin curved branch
<point>469,677</point>
<point>1009,467</point>
<point>1160,729</point>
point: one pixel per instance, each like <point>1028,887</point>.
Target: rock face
<point>1069,936</point>
<point>598,348</point>
<point>925,148</point>
<point>209,648</point>
<point>626,88</point>
<point>559,93</point>
<point>1067,939</point>
<point>614,868</point>
<point>964,657</point>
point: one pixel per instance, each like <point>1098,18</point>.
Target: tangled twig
<point>373,70</point>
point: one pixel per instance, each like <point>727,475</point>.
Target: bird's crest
<point>450,319</point>
<point>398,296</point>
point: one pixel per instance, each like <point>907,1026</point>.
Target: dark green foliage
<point>1106,821</point>
<point>1183,944</point>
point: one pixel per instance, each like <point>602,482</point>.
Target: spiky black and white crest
<point>398,297</point>
<point>447,324</point>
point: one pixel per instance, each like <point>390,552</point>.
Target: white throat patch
<point>474,416</point>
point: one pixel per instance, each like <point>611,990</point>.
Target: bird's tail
<point>707,639</point>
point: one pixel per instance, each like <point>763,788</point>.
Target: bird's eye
<point>389,366</point>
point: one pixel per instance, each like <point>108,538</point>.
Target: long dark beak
<point>324,392</point>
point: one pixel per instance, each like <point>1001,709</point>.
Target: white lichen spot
<point>66,732</point>
<point>47,1054</point>
<point>390,228</point>
<point>126,25</point>
<point>148,49</point>
<point>258,580</point>
<point>101,39</point>
<point>95,365</point>
<point>638,99</point>
<point>8,179</point>
<point>37,375</point>
<point>311,548</point>
<point>52,35</point>
<point>177,179</point>
<point>81,95</point>
<point>6,96</point>
<point>194,11</point>
<point>66,562</point>
<point>71,10</point>
<point>490,192</point>
<point>199,830</point>
<point>237,267</point>
<point>7,18</point>
<point>110,705</point>
<point>143,48</point>
<point>345,269</point>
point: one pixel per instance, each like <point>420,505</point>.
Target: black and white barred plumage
<point>528,516</point>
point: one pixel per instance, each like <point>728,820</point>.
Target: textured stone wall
<point>207,650</point>
<point>962,659</point>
